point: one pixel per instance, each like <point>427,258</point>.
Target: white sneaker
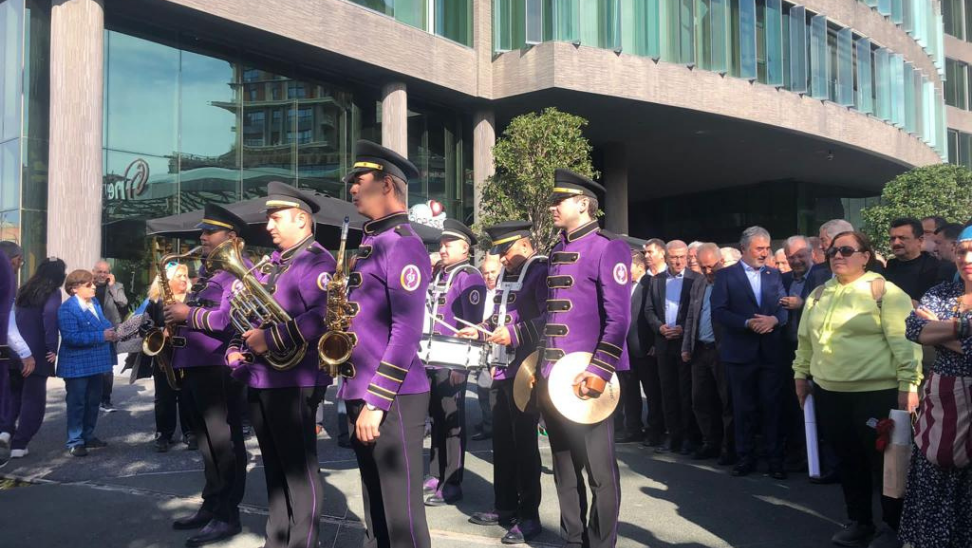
<point>19,453</point>
<point>4,448</point>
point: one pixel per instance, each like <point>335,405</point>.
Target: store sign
<point>132,184</point>
<point>430,213</point>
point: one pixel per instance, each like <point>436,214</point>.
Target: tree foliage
<point>526,155</point>
<point>942,189</point>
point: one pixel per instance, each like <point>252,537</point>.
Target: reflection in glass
<point>774,42</point>
<point>453,19</point>
<point>33,239</point>
<point>882,84</point>
<point>11,40</point>
<point>798,49</point>
<point>908,16</point>
<point>565,18</point>
<point>268,127</point>
<point>819,80</point>
<point>139,186</point>
<point>322,146</point>
<point>719,23</point>
<point>865,87</point>
<point>897,89</point>
<point>845,67</point>
<point>142,99</point>
<point>10,225</point>
<point>747,39</point>
<point>909,97</point>
<point>534,21</point>
<point>37,74</point>
<point>34,182</point>
<point>10,174</point>
<point>884,7</point>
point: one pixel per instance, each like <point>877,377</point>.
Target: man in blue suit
<point>746,301</point>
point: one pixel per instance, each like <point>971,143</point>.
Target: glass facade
<point>452,19</point>
<point>957,84</point>
<point>772,42</point>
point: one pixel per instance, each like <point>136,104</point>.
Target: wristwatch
<point>371,407</point>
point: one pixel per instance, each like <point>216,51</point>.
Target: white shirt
<point>755,281</point>
<point>14,340</point>
<point>488,308</point>
<point>673,294</point>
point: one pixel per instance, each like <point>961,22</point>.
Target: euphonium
<point>157,342</point>
<point>336,345</point>
<point>252,306</point>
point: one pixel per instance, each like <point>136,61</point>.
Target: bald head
<point>710,260</point>
<point>490,269</point>
<point>676,255</point>
<point>101,271</point>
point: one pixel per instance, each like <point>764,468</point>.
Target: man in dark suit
<point>639,341</point>
<point>746,303</point>
<point>711,401</point>
<point>655,266</point>
<point>666,307</point>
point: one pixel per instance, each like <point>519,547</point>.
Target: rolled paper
<point>901,435</point>
<point>813,447</point>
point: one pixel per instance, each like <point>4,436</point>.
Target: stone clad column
<point>616,182</point>
<point>74,203</point>
<point>394,117</point>
<point>484,138</point>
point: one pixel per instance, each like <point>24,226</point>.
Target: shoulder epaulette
<point>608,234</point>
<point>316,250</point>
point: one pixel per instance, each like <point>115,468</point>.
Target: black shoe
<point>670,447</point>
<point>493,517</point>
<point>78,451</point>
<point>652,441</point>
<point>523,531</point>
<point>777,472</point>
<point>95,443</point>
<point>886,538</point>
<point>688,448</point>
<point>107,407</point>
<point>480,436</point>
<point>854,534</point>
<point>744,468</point>
<point>201,518</point>
<point>214,531</point>
<point>826,479</point>
<point>628,438</point>
<point>429,485</point>
<point>161,445</point>
<point>726,459</point>
<point>705,452</point>
<point>448,494</point>
<point>192,444</point>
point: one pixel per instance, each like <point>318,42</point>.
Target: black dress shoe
<point>201,518</point>
<point>78,451</point>
<point>777,472</point>
<point>161,445</point>
<point>480,436</point>
<point>523,531</point>
<point>854,534</point>
<point>826,479</point>
<point>726,459</point>
<point>744,468</point>
<point>652,441</point>
<point>628,437</point>
<point>450,494</point>
<point>493,517</point>
<point>670,447</point>
<point>95,443</point>
<point>705,452</point>
<point>688,448</point>
<point>429,485</point>
<point>214,531</point>
<point>192,444</point>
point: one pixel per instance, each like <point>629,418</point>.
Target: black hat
<point>369,156</point>
<point>504,235</point>
<point>454,230</point>
<point>568,184</point>
<point>283,196</point>
<point>217,217</point>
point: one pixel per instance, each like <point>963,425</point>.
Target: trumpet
<point>252,306</point>
<point>336,345</point>
<point>158,341</point>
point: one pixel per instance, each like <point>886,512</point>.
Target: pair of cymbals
<point>562,391</point>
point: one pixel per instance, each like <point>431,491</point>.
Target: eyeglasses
<point>844,250</point>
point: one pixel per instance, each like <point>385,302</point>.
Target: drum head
<point>560,386</point>
<point>523,384</point>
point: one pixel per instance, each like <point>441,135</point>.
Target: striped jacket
<point>84,351</point>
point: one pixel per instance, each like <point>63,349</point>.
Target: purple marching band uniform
<point>588,310</point>
<point>520,305</point>
<point>386,290</point>
<point>456,291</point>
<point>213,397</point>
<point>283,404</point>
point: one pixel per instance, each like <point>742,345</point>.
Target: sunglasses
<point>844,250</point>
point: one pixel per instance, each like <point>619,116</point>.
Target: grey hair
<point>793,240</point>
<point>731,252</point>
<point>834,227</point>
<point>675,244</point>
<point>707,247</point>
<point>11,249</point>
<point>753,232</point>
<point>695,245</point>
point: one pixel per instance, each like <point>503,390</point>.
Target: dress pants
<point>484,383</point>
<point>168,404</point>
<point>793,425</point>
<point>83,401</point>
<point>711,401</point>
<point>676,393</point>
<point>108,382</point>
<point>516,455</point>
<point>23,411</point>
<point>283,419</point>
<point>843,419</point>
<point>391,475</point>
<point>643,375</point>
<point>757,392</point>
<point>213,399</point>
<point>447,408</point>
<point>576,448</point>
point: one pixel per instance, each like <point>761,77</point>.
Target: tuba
<point>252,306</point>
<point>336,344</point>
<point>158,341</point>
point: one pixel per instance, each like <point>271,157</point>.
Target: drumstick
<point>474,326</point>
<point>453,329</point>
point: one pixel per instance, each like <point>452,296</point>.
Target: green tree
<point>942,189</point>
<point>526,155</point>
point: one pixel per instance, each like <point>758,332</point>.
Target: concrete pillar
<point>484,138</point>
<point>75,166</point>
<point>483,43</point>
<point>616,182</point>
<point>394,117</point>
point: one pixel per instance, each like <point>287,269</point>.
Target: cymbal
<point>560,385</point>
<point>523,384</point>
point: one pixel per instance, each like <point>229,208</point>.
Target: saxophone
<point>336,344</point>
<point>157,342</point>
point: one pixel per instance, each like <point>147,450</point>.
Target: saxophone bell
<point>336,344</point>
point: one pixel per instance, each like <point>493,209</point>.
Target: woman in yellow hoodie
<point>851,342</point>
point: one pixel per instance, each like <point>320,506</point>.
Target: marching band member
<point>519,313</point>
<point>457,291</point>
<point>214,398</point>
<point>588,274</point>
<point>385,385</point>
<point>283,402</point>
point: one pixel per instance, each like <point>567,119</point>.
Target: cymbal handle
<point>595,387</point>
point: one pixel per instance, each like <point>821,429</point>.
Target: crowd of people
<point>719,350</point>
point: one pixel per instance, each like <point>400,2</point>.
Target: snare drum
<point>453,352</point>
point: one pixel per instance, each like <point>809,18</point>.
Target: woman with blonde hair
<point>168,400</point>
